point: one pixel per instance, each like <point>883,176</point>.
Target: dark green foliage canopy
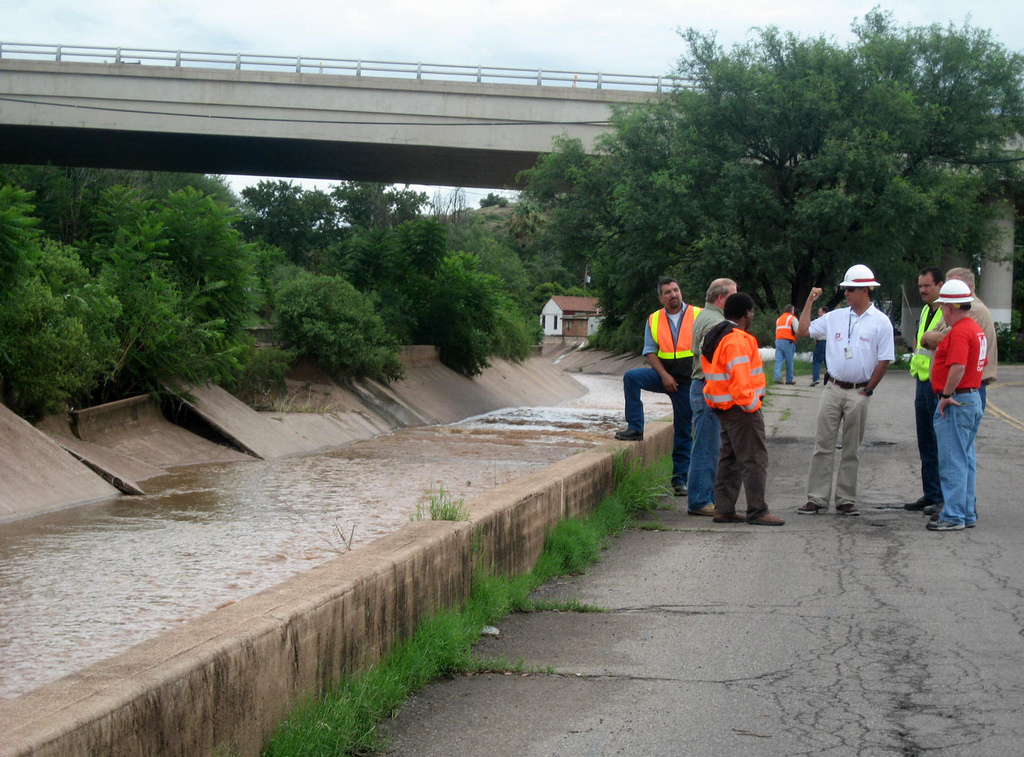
<point>789,160</point>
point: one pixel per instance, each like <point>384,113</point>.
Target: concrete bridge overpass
<point>323,119</point>
<point>276,116</point>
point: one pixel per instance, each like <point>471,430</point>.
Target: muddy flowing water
<point>80,585</point>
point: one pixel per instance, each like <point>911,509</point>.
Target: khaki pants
<point>846,408</point>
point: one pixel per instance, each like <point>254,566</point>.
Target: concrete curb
<point>228,678</point>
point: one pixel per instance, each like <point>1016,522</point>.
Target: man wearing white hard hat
<point>956,378</point>
<point>859,345</point>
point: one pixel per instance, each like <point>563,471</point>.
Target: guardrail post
<point>238,61</point>
<point>659,86</point>
<point>298,65</point>
<point>540,77</point>
<point>177,59</point>
<point>359,68</point>
<point>56,57</point>
<point>599,80</point>
<point>419,71</point>
<point>479,74</point>
<point>117,56</point>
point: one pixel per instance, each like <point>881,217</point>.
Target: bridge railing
<point>340,66</point>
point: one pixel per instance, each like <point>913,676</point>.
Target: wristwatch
<point>945,396</point>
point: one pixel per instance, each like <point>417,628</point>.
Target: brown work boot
<point>730,518</point>
<point>767,520</point>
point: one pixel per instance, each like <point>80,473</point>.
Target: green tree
<point>459,314</point>
<point>214,269</point>
<point>789,160</point>
<point>64,196</point>
<point>163,332</point>
<point>494,201</point>
<point>284,215</point>
<point>367,205</point>
<point>55,337</point>
<point>17,235</point>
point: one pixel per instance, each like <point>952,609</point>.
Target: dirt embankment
<point>81,459</point>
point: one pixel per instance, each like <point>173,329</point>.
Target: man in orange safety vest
<point>734,384</point>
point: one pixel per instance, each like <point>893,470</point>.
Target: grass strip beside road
<point>346,720</point>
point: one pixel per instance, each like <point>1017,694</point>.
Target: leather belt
<point>845,384</point>
<point>962,391</point>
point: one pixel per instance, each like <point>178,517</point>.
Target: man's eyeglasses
<point>852,289</point>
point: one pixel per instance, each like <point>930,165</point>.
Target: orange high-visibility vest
<point>735,375</point>
<point>785,328</point>
<point>661,333</point>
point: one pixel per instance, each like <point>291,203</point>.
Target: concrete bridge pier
<point>995,286</point>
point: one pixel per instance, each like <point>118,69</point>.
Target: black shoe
<point>629,435</point>
<point>918,504</point>
<point>680,489</point>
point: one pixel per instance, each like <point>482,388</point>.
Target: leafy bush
<point>262,377</point>
<point>327,320</point>
<point>1011,344</point>
<point>56,336</point>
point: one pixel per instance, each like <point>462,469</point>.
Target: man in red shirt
<point>956,377</point>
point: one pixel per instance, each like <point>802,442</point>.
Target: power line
<point>332,122</point>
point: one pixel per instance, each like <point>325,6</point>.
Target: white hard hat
<point>859,276</point>
<point>955,292</point>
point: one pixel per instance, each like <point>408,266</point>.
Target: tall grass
<point>346,720</point>
<point>440,504</point>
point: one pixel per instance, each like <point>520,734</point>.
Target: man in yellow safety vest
<point>929,282</point>
<point>668,347</point>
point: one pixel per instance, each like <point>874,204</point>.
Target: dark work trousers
<point>743,460</point>
<point>925,402</point>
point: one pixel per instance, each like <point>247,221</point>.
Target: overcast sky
<point>589,35</point>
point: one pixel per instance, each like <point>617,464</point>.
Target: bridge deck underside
<point>262,156</point>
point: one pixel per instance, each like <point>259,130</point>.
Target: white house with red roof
<point>570,316</point>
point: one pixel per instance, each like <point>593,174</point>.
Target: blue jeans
<point>957,464</point>
<point>785,351</point>
<point>648,379</point>
<point>925,402</point>
<point>707,440</point>
<point>817,360</point>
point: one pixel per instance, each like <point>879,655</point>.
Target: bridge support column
<point>996,284</point>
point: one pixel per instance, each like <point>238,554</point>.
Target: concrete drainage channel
<point>228,678</point>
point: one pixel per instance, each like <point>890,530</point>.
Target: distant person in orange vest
<point>785,344</point>
<point>668,338</point>
<point>734,385</point>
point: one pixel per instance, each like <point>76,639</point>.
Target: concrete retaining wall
<point>228,678</point>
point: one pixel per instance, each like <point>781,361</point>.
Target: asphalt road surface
<point>830,636</point>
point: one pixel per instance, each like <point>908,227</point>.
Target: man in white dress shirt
<point>859,346</point>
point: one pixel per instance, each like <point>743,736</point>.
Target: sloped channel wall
<point>227,679</point>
